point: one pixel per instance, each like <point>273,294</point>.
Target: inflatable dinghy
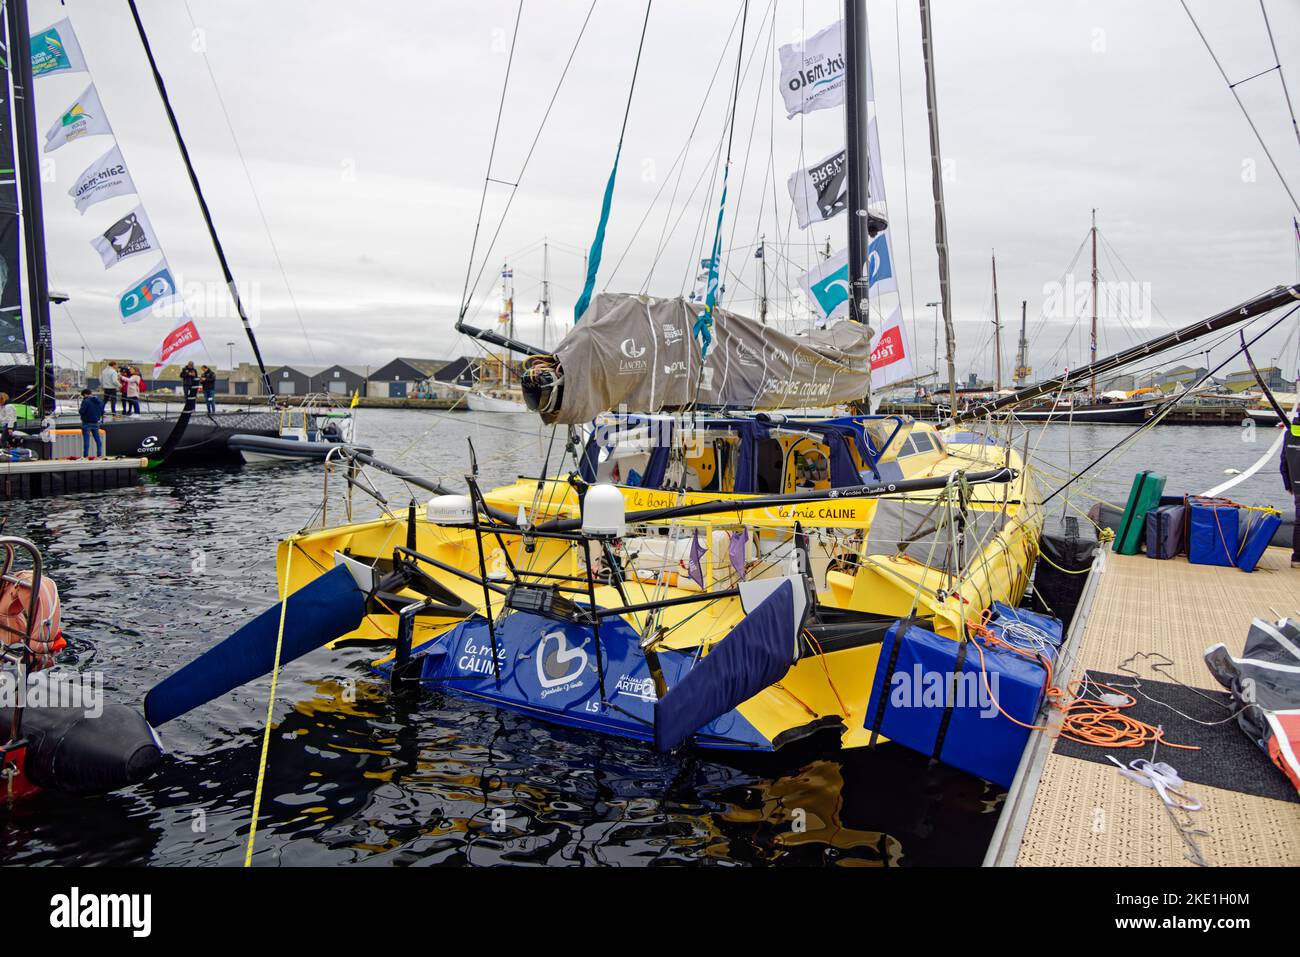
<point>265,448</point>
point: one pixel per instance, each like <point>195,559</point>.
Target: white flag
<point>132,235</point>
<point>820,191</point>
<point>56,50</point>
<point>85,117</point>
<point>103,179</point>
<point>891,354</point>
<point>154,287</point>
<point>179,342</point>
<point>812,75</point>
<point>827,285</point>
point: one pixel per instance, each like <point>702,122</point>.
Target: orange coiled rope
<point>1086,720</point>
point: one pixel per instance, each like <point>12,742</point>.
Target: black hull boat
<point>206,440</point>
<point>1093,413</point>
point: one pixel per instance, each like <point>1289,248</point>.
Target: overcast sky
<point>366,129</point>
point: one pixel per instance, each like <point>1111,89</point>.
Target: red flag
<point>179,340</point>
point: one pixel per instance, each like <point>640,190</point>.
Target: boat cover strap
<point>959,666</point>
<point>900,628</point>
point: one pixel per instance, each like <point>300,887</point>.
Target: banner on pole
<point>177,343</point>
<point>132,235</point>
<point>85,117</point>
<point>103,179</point>
<point>821,191</point>
<point>56,50</point>
<point>156,287</point>
<point>827,285</point>
<point>812,73</point>
<point>891,354</point>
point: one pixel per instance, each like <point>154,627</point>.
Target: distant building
<point>339,380</point>
<point>1117,383</point>
<point>293,380</point>
<point>462,371</point>
<point>404,377</point>
<point>1245,379</point>
<point>245,379</point>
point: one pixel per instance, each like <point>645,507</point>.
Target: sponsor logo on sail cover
<point>633,360</point>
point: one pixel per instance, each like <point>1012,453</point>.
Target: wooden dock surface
<point>1070,807</point>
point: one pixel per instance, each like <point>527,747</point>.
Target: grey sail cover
<point>638,352</point>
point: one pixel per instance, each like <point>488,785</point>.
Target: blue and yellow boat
<point>513,596</point>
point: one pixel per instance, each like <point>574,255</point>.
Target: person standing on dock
<point>131,381</point>
<point>1291,480</point>
<point>92,414</point>
<point>189,379</point>
<point>8,420</point>
<point>209,382</point>
<point>109,381</point>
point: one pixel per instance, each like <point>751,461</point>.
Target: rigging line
<point>1133,276</point>
<point>1286,93</point>
<point>729,121</point>
<point>753,124</point>
<point>1169,405</point>
<point>1041,319</point>
<point>257,201</point>
<point>598,241</point>
<point>555,94</point>
<point>907,206</point>
<point>202,202</point>
<point>492,152</point>
<point>681,159</point>
<point>700,233</point>
<point>1244,112</point>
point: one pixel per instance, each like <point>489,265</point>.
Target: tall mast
<point>762,266</point>
<point>29,187</point>
<point>203,203</point>
<point>857,158</point>
<point>546,288</point>
<point>507,313</point>
<point>940,220</point>
<point>997,328</point>
<point>1022,354</point>
<point>1092,388</point>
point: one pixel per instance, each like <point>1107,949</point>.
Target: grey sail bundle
<point>639,352</point>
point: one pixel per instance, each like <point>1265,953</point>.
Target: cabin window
<point>812,469</point>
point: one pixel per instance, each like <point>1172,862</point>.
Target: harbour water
<point>152,576</point>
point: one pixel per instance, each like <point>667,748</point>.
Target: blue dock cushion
<point>923,677</point>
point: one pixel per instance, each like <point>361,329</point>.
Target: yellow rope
<point>270,709</point>
<point>1081,571</point>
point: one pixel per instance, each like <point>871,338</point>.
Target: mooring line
<point>270,709</point>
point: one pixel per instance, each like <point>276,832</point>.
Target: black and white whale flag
<point>812,73</point>
<point>103,179</point>
<point>820,191</point>
<point>132,235</point>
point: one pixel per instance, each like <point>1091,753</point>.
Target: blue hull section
<point>549,671</point>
